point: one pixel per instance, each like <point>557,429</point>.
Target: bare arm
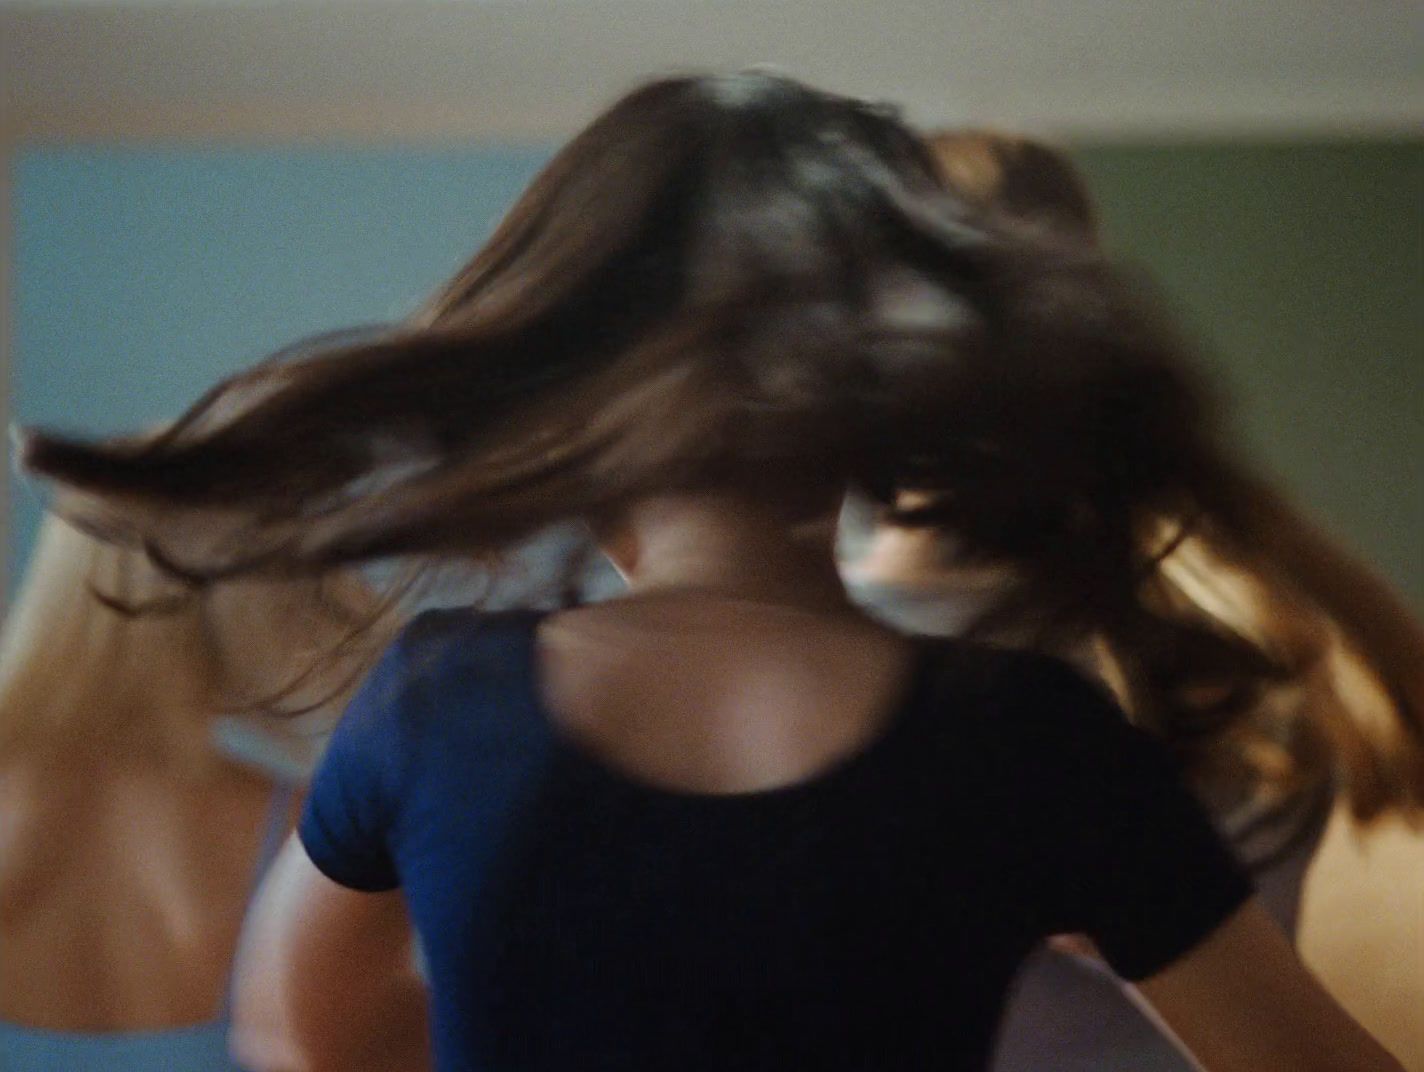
<point>1241,1001</point>
<point>326,978</point>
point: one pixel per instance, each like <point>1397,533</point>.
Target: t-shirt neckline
<point>901,708</point>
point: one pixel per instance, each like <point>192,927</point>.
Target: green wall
<point>1301,268</point>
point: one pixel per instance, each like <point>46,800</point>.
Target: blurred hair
<point>707,286</point>
<point>1268,656</point>
<point>1027,181</point>
<point>104,656</point>
<point>732,281</point>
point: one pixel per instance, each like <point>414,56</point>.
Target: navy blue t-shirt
<point>871,917</point>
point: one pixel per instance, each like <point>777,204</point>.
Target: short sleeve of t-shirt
<point>352,806</point>
<point>1125,853</point>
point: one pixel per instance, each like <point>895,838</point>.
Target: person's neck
<point>728,549</point>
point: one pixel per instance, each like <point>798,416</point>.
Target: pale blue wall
<point>141,276</point>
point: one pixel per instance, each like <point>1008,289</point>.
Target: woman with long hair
<point>139,798</point>
<point>725,821</point>
<point>1284,672</point>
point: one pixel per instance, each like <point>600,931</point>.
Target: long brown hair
<point>704,288</point>
<point>1263,651</point>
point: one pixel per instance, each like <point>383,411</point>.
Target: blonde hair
<point>105,656</point>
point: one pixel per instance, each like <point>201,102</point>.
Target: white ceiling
<point>533,68</point>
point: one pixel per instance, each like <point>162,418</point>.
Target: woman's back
<point>122,893</point>
<point>838,857</point>
<point>137,809</point>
